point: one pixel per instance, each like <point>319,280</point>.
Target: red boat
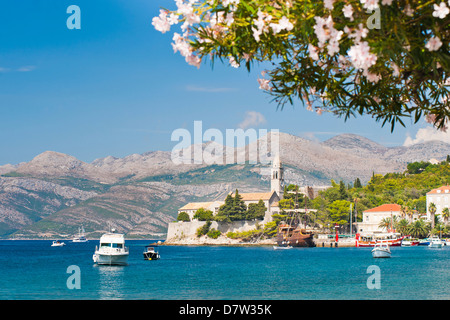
<point>369,240</point>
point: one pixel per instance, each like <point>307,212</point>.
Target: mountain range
<point>54,194</point>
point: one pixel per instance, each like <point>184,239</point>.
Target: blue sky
<point>115,87</point>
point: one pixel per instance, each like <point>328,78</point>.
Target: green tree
<point>418,229</point>
<point>286,204</point>
<point>203,215</point>
<point>432,209</point>
<point>233,209</point>
<point>385,223</point>
<point>201,231</point>
<point>402,226</point>
<point>333,56</point>
<point>256,211</point>
<point>445,214</point>
<point>183,216</point>
<point>339,211</point>
<point>357,184</point>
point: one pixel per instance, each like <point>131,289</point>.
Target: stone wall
<point>181,231</point>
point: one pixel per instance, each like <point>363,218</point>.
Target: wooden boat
<point>289,235</point>
<point>369,240</point>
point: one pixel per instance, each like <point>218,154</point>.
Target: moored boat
<point>424,242</point>
<point>381,250</point>
<point>289,235</point>
<point>112,250</point>
<point>58,243</point>
<point>408,242</point>
<point>151,253</point>
<point>81,237</point>
<point>369,240</point>
<point>435,242</point>
<point>282,248</point>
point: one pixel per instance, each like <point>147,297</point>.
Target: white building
<point>192,207</point>
<point>270,199</point>
<point>440,197</point>
<point>373,217</point>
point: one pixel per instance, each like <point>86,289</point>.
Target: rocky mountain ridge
<point>53,194</point>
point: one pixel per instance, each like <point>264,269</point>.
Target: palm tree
<point>385,223</point>
<point>445,214</point>
<point>418,229</point>
<point>432,210</point>
<point>410,214</point>
<point>402,226</point>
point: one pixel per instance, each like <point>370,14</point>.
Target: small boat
<point>408,242</point>
<point>435,242</point>
<point>369,240</point>
<point>282,247</point>
<point>150,253</point>
<point>58,243</point>
<point>295,236</point>
<point>80,237</point>
<point>112,250</point>
<point>381,250</point>
<point>424,242</point>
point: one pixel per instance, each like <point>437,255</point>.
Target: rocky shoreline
<point>220,241</point>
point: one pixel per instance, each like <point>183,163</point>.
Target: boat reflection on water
<point>111,282</point>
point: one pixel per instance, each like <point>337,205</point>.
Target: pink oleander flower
<point>348,11</point>
<point>361,57</point>
<point>264,84</point>
<point>313,53</point>
<point>441,10</point>
<point>370,4</point>
<point>161,23</point>
<point>328,4</point>
<point>433,44</point>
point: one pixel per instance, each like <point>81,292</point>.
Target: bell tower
<point>276,176</point>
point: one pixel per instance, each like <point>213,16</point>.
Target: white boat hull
<point>435,245</point>
<point>381,253</point>
<point>110,259</point>
<point>281,248</point>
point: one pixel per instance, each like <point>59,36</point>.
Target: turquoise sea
<point>33,270</point>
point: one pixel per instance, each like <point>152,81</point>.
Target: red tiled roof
<point>385,208</point>
<point>441,189</point>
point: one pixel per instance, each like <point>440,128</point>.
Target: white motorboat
<point>151,253</point>
<point>81,237</point>
<point>435,242</point>
<point>381,250</point>
<point>282,247</point>
<point>58,243</point>
<point>112,250</point>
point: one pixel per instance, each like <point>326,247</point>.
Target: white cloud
<point>26,68</point>
<point>427,134</point>
<point>252,119</point>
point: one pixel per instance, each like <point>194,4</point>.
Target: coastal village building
<point>270,199</point>
<point>372,217</point>
<point>440,197</point>
<point>192,207</point>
